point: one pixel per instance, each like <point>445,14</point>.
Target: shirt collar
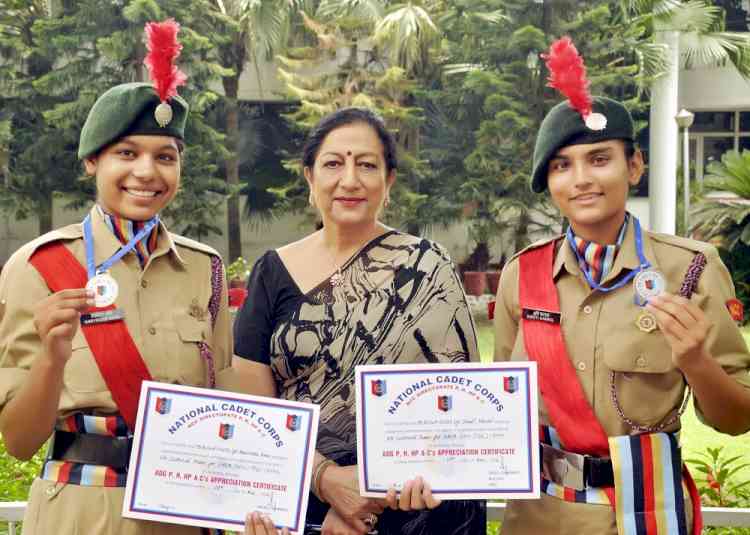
<point>106,243</point>
<point>626,259</point>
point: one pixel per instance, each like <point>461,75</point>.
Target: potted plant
<point>475,274</point>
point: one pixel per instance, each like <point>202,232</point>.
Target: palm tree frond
<point>461,68</point>
<point>493,17</point>
<point>691,16</point>
<point>407,33</point>
<point>652,58</point>
<point>726,211</point>
<point>716,49</point>
<point>366,10</point>
<point>266,24</point>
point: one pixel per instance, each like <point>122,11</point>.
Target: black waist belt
<point>101,450</point>
<point>597,472</point>
<point>575,470</point>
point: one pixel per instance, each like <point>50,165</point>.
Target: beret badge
<point>163,114</point>
<point>594,121</point>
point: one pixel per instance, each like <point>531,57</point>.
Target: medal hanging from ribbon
<point>647,283</point>
<point>643,263</point>
<point>100,282</point>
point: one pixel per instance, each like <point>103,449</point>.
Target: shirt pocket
<point>648,385</point>
<point>82,373</point>
<point>192,332</point>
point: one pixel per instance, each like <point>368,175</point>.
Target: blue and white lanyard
<point>88,239</point>
<point>643,262</point>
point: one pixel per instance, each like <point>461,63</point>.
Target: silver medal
<point>649,283</point>
<point>105,289</point>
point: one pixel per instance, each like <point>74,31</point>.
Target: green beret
<point>563,126</point>
<point>128,109</point>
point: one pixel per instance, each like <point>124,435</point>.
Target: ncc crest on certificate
<point>207,458</point>
<point>471,430</point>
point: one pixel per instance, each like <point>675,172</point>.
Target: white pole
<point>664,140</point>
<point>686,176</point>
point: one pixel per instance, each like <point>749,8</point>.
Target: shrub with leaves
<point>16,476</point>
<point>723,216</point>
<point>239,269</point>
<point>719,484</point>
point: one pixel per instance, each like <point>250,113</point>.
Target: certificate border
<point>161,387</point>
<point>525,368</point>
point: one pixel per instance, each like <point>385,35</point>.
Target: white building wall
<point>717,88</point>
<point>638,206</point>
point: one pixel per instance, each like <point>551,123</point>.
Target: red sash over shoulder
<point>568,408</point>
<point>570,412</point>
<point>116,355</point>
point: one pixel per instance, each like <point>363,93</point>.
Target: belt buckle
<point>563,467</point>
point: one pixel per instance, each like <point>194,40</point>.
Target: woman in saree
<point>354,292</point>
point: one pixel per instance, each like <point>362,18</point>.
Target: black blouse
<point>272,297</point>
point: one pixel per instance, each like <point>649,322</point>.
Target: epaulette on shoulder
<point>694,246</point>
<point>535,245</point>
<point>195,245</point>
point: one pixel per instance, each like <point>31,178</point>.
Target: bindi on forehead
<point>348,153</point>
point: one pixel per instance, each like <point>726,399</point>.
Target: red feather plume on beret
<point>567,74</point>
<point>163,50</point>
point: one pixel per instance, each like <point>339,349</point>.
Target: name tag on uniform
<point>541,315</point>
<point>102,316</point>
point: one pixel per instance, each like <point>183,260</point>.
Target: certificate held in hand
<point>207,458</point>
<point>470,430</point>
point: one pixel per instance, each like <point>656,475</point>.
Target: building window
<point>737,13</point>
<point>715,132</point>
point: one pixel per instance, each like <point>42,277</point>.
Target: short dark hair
<point>630,148</point>
<point>346,116</point>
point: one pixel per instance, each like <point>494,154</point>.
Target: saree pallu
<point>400,302</point>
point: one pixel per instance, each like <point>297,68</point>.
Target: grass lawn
<point>696,437</point>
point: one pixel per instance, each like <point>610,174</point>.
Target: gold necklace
<point>337,279</point>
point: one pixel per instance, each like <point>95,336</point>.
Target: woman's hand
<point>56,319</point>
<point>416,494</point>
<point>258,524</point>
<point>333,524</point>
<point>339,486</point>
<point>684,325</point>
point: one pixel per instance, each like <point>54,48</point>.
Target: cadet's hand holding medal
<point>684,325</point>
<point>56,319</point>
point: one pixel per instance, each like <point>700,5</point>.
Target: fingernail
<point>90,293</point>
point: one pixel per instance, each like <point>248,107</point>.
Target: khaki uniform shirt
<point>166,312</point>
<point>601,335</point>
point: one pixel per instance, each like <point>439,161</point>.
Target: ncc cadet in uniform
<point>92,309</point>
<point>623,324</point>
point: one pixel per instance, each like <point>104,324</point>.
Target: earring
<point>387,201</point>
<point>311,200</point>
